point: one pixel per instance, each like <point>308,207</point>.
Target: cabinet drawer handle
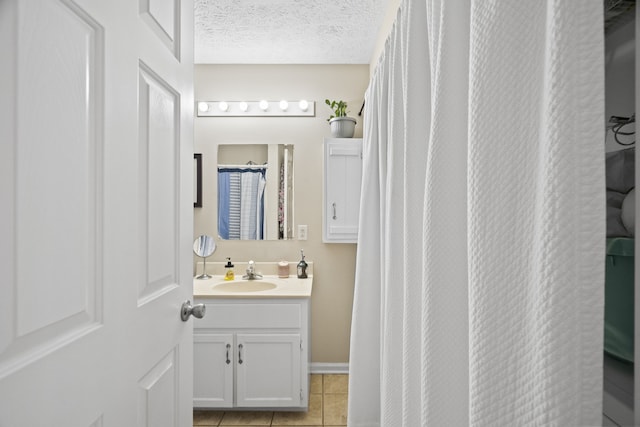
<point>334,211</point>
<point>240,354</point>
<point>228,348</point>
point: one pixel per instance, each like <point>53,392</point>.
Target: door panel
<point>43,131</point>
<point>163,18</point>
<point>95,213</point>
<point>268,370</point>
<point>214,361</point>
<point>342,178</point>
<point>157,397</point>
<point>159,181</point>
<point>57,116</point>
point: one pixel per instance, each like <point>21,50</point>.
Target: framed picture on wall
<point>197,180</point>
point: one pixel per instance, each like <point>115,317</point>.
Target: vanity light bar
<point>262,108</point>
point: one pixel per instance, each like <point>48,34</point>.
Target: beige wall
<point>334,264</point>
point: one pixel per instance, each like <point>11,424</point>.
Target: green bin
<point>619,298</point>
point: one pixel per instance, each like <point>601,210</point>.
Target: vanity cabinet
<point>252,353</point>
<point>341,189</point>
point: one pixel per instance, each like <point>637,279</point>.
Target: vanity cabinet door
<point>268,370</point>
<point>213,361</point>
<point>342,181</point>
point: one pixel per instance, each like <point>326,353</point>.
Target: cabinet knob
<point>228,348</point>
<point>187,310</point>
<point>240,354</point>
<point>334,211</point>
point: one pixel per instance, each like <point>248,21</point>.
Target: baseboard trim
<point>329,368</point>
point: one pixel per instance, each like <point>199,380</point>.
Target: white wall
<point>334,264</point>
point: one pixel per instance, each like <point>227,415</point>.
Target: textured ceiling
<point>286,31</point>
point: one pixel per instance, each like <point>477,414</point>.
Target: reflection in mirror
<point>204,246</point>
<point>255,191</point>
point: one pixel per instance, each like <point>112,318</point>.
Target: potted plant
<point>341,125</point>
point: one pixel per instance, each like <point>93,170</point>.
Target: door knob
<point>187,310</point>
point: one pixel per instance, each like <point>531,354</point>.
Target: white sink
<point>270,286</point>
<point>244,286</point>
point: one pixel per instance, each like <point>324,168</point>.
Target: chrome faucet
<point>251,272</point>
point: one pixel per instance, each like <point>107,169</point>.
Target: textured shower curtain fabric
<point>480,261</point>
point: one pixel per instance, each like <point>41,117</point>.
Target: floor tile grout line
<point>322,393</point>
<point>323,402</point>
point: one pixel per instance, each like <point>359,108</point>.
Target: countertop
<point>289,287</point>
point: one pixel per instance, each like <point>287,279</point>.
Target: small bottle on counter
<point>302,266</point>
<point>230,275</point>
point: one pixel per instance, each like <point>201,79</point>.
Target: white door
<point>268,370</point>
<point>214,359</point>
<point>96,105</point>
<point>342,181</point>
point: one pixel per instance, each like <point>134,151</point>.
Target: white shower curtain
<point>480,262</point>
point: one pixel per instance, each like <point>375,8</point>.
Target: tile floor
<point>327,407</point>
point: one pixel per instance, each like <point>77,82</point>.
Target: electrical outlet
<point>302,232</point>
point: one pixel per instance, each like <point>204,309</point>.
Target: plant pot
<point>342,127</point>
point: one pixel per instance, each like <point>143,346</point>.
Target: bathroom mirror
<point>255,191</point>
<point>204,246</point>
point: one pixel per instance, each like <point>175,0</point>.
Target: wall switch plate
<point>302,232</point>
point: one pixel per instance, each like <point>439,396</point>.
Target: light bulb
<point>203,106</point>
<point>284,105</point>
<point>244,106</point>
<point>304,105</point>
<point>264,105</point>
<point>223,106</point>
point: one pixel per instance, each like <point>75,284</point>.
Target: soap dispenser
<point>302,266</point>
<point>230,275</point>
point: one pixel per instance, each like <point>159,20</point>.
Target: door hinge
<point>301,397</point>
<point>300,345</point>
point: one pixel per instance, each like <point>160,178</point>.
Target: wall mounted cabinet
<point>341,189</point>
<point>252,353</point>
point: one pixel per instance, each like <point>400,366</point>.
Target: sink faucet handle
<point>251,266</point>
